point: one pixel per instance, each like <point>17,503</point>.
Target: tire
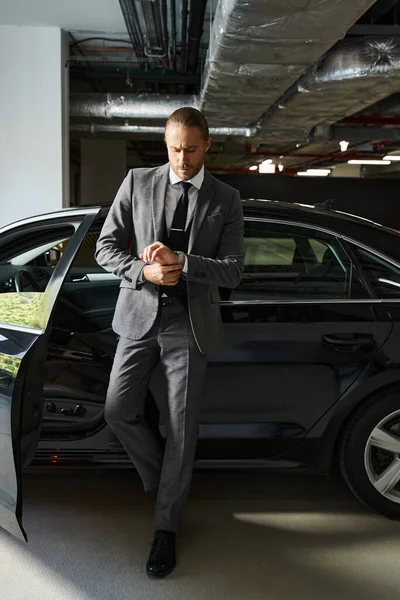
<point>363,463</point>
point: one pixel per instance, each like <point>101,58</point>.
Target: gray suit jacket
<point>215,255</point>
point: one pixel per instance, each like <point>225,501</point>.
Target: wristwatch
<point>181,257</point>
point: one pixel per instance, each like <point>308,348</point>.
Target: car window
<point>269,251</point>
<point>383,276</point>
<point>27,260</point>
<point>48,254</point>
<point>85,256</point>
<point>294,262</point>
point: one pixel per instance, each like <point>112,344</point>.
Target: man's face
<point>186,150</point>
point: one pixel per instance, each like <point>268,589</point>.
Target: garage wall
<point>33,121</point>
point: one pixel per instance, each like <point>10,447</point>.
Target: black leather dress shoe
<point>162,554</point>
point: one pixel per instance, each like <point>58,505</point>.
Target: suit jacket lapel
<point>204,198</point>
<point>159,190</point>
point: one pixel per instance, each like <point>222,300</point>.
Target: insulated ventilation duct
<point>259,49</point>
<point>128,106</point>
<point>354,75</point>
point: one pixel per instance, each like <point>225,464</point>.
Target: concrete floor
<point>247,535</point>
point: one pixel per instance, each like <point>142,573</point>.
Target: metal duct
<point>241,132</point>
<point>128,106</point>
<point>357,73</point>
<point>259,49</point>
<point>139,107</point>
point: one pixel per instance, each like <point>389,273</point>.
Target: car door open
<point>25,323</point>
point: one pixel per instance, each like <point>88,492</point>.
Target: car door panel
<point>23,343</point>
<point>274,367</point>
<point>94,293</point>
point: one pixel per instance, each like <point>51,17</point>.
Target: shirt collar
<point>197,180</point>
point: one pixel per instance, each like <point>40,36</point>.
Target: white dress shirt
<point>171,201</point>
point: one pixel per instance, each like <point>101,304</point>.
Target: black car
<point>307,371</point>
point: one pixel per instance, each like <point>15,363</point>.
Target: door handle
<point>77,278</point>
<point>348,342</point>
<point>5,378</point>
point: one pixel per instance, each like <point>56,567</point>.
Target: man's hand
<point>160,254</point>
<point>162,275</point>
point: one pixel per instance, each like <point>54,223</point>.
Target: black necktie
<point>178,224</point>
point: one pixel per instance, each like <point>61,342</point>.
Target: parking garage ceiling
<point>279,80</point>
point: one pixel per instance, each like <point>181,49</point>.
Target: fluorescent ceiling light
<point>313,173</point>
<point>267,167</point>
<point>319,171</point>
<point>392,157</point>
<point>253,168</point>
<point>267,162</point>
<point>369,162</point>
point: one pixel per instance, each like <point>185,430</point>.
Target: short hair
<point>189,117</point>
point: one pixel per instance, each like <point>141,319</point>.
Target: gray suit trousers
<point>170,342</point>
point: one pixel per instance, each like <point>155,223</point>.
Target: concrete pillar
<point>103,168</point>
<point>346,170</point>
<point>34,124</point>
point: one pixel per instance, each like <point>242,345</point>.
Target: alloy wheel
<point>382,457</point>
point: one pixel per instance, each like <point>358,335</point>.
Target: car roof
<point>252,206</point>
<point>298,209</point>
<point>351,226</point>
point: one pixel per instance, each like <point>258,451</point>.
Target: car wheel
<point>370,453</point>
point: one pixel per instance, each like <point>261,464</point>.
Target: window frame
<point>377,254</point>
<point>341,240</point>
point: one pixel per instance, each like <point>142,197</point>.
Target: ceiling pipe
<point>196,22</point>
<point>358,65</point>
<point>155,30</point>
<point>131,19</point>
<point>128,106</point>
<point>184,17</point>
<point>93,128</point>
<point>155,76</point>
<point>174,32</point>
<point>164,21</point>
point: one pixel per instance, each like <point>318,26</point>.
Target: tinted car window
<point>27,260</point>
<point>383,277</point>
<point>294,262</point>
